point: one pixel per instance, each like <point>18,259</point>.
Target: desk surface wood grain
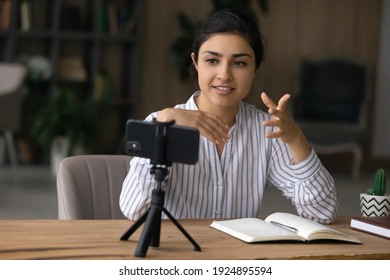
<point>100,239</point>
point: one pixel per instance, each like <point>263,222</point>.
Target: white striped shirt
<point>233,186</point>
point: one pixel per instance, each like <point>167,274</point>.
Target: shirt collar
<point>191,105</point>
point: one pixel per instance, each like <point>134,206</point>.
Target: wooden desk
<point>99,239</point>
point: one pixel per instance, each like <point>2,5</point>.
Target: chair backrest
<point>88,186</point>
<point>11,80</point>
<point>332,90</point>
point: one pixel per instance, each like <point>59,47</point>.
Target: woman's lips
<point>223,90</point>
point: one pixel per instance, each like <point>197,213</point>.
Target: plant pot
<point>374,205</point>
<point>59,150</point>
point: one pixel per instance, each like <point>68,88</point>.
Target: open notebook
<point>279,227</point>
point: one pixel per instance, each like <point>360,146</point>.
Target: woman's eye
<point>239,63</point>
<point>211,61</point>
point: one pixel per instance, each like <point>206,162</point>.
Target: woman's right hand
<point>209,125</point>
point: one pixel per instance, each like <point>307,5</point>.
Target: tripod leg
<point>155,242</point>
<point>135,226</point>
<point>148,233</point>
<point>157,204</point>
<point>196,246</point>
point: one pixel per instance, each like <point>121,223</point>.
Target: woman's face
<point>226,69</point>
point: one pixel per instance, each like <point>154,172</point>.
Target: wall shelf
<point>82,33</point>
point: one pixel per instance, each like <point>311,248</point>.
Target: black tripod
<point>152,218</point>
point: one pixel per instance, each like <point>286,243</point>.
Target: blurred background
<point>80,69</point>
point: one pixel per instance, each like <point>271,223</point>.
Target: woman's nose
<point>224,72</point>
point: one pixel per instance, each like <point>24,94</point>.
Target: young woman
<point>242,149</point>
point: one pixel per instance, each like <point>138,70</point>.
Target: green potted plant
<point>64,124</point>
<point>376,202</point>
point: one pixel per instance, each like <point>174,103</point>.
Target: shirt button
<point>218,212</point>
<point>219,183</point>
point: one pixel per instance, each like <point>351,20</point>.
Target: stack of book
<point>379,226</point>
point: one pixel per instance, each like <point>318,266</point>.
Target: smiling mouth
<point>223,90</point>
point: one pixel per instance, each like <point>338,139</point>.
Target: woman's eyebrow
<point>212,53</point>
<point>240,54</point>
<point>233,55</point>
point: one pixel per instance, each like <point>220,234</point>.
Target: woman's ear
<point>194,61</point>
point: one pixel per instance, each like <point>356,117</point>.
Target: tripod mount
<point>152,217</point>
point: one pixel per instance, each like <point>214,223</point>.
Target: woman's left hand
<point>288,130</point>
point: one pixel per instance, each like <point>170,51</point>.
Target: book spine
<point>25,16</point>
<point>5,14</point>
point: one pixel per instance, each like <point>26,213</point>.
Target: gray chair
<point>332,107</point>
<point>12,77</point>
<point>88,186</point>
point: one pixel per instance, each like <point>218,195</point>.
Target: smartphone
<point>180,143</point>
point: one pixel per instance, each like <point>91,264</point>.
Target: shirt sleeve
<point>308,184</point>
<point>137,187</point>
